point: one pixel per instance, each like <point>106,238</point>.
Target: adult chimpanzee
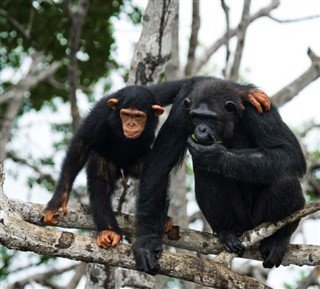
<point>115,138</point>
<point>246,166</point>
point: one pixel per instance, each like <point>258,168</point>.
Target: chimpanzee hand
<point>146,250</point>
<point>205,156</point>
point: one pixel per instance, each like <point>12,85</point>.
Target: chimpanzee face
<point>212,119</point>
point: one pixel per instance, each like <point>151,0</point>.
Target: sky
<point>275,54</point>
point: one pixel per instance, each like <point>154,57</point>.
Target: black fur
<point>100,142</point>
<point>246,169</point>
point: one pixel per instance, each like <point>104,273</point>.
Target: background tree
<point>56,52</point>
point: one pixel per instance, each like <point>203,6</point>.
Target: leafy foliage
<point>43,25</point>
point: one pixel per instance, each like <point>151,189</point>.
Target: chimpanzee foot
<point>108,238</point>
<point>273,251</point>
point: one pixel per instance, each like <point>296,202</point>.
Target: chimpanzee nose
<point>202,133</point>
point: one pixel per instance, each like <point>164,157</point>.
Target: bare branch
<point>241,36</point>
<point>30,22</point>
<point>16,235</point>
<point>226,12</point>
<point>307,129</point>
<point>42,175</point>
<point>232,32</point>
<point>77,14</point>
<point>291,90</point>
<point>294,20</point>
<point>202,242</point>
<point>312,279</point>
<point>15,23</point>
<point>79,272</point>
<point>35,75</point>
<point>193,42</point>
<point>172,69</point>
<point>40,277</point>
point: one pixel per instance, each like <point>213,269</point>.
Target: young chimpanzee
<point>114,140</point>
<point>246,168</point>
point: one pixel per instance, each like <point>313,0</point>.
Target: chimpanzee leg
<point>134,171</point>
<point>101,177</point>
<point>278,200</point>
<point>213,193</point>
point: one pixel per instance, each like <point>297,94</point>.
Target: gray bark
<point>202,242</point>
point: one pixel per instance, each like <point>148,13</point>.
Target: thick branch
<point>20,235</point>
<point>312,73</point>
<point>202,242</point>
<point>148,64</point>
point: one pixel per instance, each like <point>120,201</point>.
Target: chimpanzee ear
<point>112,102</point>
<point>187,103</point>
<point>230,106</point>
<point>157,109</point>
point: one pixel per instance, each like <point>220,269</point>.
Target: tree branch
<point>15,96</point>
<point>202,242</point>
<point>77,14</point>
<point>241,36</point>
<point>41,277</point>
<point>312,279</point>
<point>312,73</point>
<point>205,56</point>
<point>15,23</point>
<point>20,235</point>
<point>226,10</point>
<point>293,20</point>
<point>265,230</point>
<point>193,42</point>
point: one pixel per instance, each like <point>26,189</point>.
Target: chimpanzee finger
<point>263,98</point>
<point>116,239</point>
<point>255,103</point>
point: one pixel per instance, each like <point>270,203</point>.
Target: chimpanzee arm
<point>277,152</point>
<point>152,202</point>
<point>250,93</point>
<point>74,161</point>
<point>167,91</point>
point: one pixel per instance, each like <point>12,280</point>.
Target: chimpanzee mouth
<point>207,142</point>
<point>132,135</point>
